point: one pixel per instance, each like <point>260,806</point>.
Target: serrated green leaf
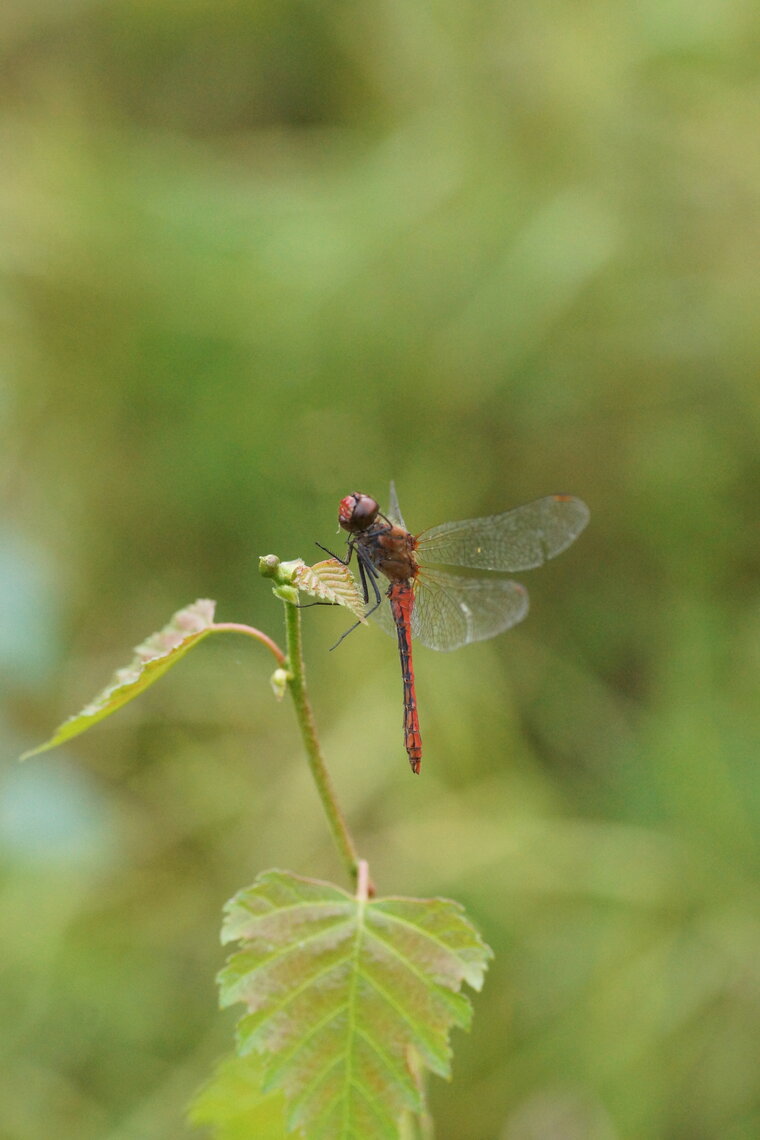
<point>348,998</point>
<point>329,581</point>
<point>233,1105</point>
<point>151,660</point>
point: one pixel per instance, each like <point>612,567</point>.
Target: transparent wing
<point>450,611</point>
<point>516,540</point>
<point>394,510</point>
<point>383,617</point>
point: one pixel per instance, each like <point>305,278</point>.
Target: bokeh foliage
<point>256,256</point>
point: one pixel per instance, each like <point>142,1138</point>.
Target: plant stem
<point>237,627</point>
<point>307,724</point>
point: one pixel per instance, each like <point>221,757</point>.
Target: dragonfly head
<point>357,512</point>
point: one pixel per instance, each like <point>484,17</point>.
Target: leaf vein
<point>450,951</point>
<point>383,993</point>
<point>281,952</point>
<point>278,1007</point>
<point>382,1054</point>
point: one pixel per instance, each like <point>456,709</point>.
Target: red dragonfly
<point>436,607</point>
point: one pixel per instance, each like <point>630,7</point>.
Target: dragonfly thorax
<point>391,550</point>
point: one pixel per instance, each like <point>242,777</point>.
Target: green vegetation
<point>256,257</point>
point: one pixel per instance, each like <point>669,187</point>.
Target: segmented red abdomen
<point>401,598</point>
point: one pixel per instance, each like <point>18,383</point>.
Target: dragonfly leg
<point>337,557</point>
<point>369,576</point>
<point>343,562</point>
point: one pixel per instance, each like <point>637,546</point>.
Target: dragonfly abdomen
<point>401,598</point>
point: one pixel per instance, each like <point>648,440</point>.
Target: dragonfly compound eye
<point>357,511</point>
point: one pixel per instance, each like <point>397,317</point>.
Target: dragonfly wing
<point>394,510</point>
<point>384,618</point>
<point>450,611</point>
<point>516,540</point>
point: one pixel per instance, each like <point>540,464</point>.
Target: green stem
<point>307,724</point>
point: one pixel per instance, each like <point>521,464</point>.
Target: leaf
<point>157,654</point>
<point>348,998</point>
<point>233,1105</point>
<point>330,581</point>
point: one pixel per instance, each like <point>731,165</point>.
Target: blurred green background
<point>256,256</point>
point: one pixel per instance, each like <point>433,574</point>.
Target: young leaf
<point>151,660</point>
<point>233,1105</point>
<point>348,998</point>
<point>330,581</point>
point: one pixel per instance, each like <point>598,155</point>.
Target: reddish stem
<point>237,627</point>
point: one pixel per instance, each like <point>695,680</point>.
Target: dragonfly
<point>427,602</point>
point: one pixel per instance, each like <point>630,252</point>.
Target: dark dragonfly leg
<point>369,576</point>
<point>401,598</point>
<point>343,562</point>
<point>346,562</point>
<point>337,557</point>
